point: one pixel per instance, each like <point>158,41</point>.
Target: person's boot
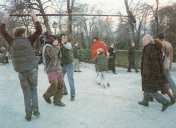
<point>47,99</point>
<point>59,103</point>
<point>164,107</point>
<point>36,113</point>
<point>144,103</point>
<point>28,116</point>
<point>172,101</point>
<point>72,98</point>
<point>108,85</point>
<point>151,99</point>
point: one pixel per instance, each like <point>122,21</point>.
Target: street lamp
<point>54,26</point>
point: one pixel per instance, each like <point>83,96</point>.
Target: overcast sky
<point>113,6</point>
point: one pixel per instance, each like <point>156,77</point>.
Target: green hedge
<point>121,57</point>
<point>84,55</point>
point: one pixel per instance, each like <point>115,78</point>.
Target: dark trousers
<point>56,90</point>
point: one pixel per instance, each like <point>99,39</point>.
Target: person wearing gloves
<point>25,62</point>
<point>67,63</point>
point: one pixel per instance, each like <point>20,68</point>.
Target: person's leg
<point>98,80</point>
<point>27,94</point>
<point>70,71</point>
<point>161,99</point>
<point>50,91</point>
<point>59,94</point>
<point>64,73</point>
<point>146,99</point>
<point>171,82</point>
<point>104,79</point>
<point>33,78</point>
<point>78,66</point>
<point>129,65</point>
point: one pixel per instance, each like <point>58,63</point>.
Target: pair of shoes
<point>36,113</point>
<point>146,104</point>
<point>72,98</point>
<point>164,107</point>
<point>60,104</point>
<point>47,99</point>
<point>28,116</point>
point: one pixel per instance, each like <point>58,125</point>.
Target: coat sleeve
<point>38,30</point>
<point>5,34</point>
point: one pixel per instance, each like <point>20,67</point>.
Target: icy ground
<point>95,107</point>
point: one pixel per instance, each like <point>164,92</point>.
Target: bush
<point>84,55</point>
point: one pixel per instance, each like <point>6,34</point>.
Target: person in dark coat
<point>111,60</point>
<point>25,63</point>
<point>132,58</point>
<point>76,53</point>
<point>153,78</point>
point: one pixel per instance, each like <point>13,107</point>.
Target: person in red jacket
<point>96,44</point>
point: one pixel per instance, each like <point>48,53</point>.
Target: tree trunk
<point>45,18</point>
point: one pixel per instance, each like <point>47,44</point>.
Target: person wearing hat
<point>25,62</point>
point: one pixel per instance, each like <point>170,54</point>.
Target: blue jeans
<point>69,70</point>
<point>170,81</point>
<point>28,82</point>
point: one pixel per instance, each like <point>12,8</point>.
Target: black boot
<point>144,103</point>
<point>28,116</point>
<point>36,113</point>
<point>72,98</point>
<point>47,99</point>
<point>164,107</point>
<point>59,103</point>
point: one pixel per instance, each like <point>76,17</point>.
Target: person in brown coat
<point>153,78</point>
<point>53,69</point>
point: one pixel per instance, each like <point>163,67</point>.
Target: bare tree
<point>70,6</point>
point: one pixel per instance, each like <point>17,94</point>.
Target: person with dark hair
<point>67,63</point>
<point>111,60</point>
<point>132,58</point>
<point>53,68</point>
<point>152,73</point>
<point>25,63</point>
<point>76,53</point>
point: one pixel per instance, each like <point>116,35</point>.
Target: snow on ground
<point>95,107</point>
